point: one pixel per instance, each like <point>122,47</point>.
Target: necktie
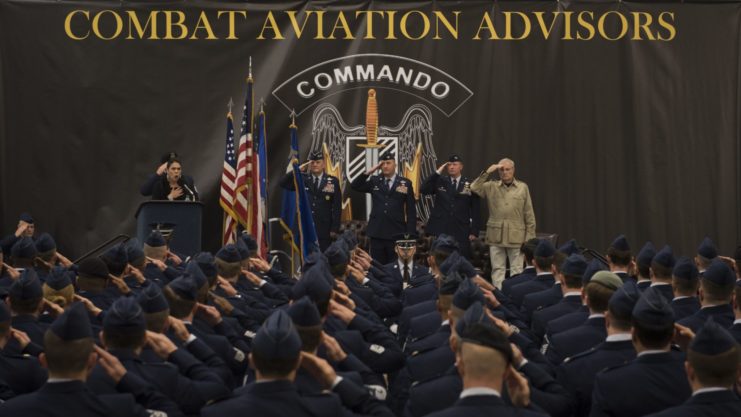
<point>455,184</point>
<point>388,183</point>
<point>316,183</point>
<point>406,273</point>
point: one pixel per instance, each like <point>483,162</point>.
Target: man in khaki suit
<point>511,217</point>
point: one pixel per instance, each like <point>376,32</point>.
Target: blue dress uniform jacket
<point>483,406</point>
<point>183,379</point>
<point>706,404</point>
<point>566,322</point>
<point>541,299</point>
<point>648,384</point>
<point>72,398</point>
<point>456,210</point>
<point>393,276</point>
<point>576,340</point>
<point>577,373</point>
<point>722,314</point>
<point>394,210</point>
<point>281,399</point>
<point>526,275</point>
<point>326,203</point>
<point>22,374</point>
<point>685,307</point>
<point>539,283</point>
<point>541,318</point>
<point>434,394</point>
<point>665,290</point>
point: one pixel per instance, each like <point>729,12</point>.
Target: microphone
<point>182,183</point>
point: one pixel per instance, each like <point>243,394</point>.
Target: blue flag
<point>296,210</point>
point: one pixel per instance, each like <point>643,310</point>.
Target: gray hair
<point>503,160</point>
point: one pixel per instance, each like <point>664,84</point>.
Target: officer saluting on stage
<point>393,207</point>
<point>456,210</point>
<point>325,195</point>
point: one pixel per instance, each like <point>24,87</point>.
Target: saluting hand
<point>12,272</point>
<point>493,168</point>
<point>160,344</point>
<point>334,350</point>
<point>518,388</point>
<point>320,369</point>
<point>110,364</point>
<point>442,167</point>
<point>21,337</point>
<point>178,327</point>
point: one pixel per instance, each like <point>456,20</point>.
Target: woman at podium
<point>173,185</point>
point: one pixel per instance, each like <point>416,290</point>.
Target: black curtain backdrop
<point>634,137</point>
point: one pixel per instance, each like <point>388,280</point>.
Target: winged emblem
<point>411,141</point>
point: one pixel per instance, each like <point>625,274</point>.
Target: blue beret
<point>444,243</point>
<point>207,263</point>
<point>155,239</point>
<point>93,267</point>
<point>45,243</point>
<point>152,300</point>
<point>336,254</point>
<point>467,294</point>
<point>185,287</point>
<point>646,255</point>
<point>707,249</point>
<point>317,155</point>
<point>195,272</point>
<point>451,263</point>
<point>719,273</point>
<point>229,253</point>
<point>474,314</point>
<point>594,266</point>
<point>544,249</point>
<point>665,257</point>
<point>569,247</point>
<point>59,278</point>
<point>249,241</point>
<point>449,285</point>
<point>685,269</point>
<point>304,313</point>
<point>26,217</point>
<point>125,313</point>
<point>653,309</point>
<point>277,338</point>
<point>24,248</point>
<point>625,298</point>
<point>134,250</point>
<point>73,324</point>
<point>313,283</point>
<point>26,287</point>
<point>242,250</point>
<point>350,238</point>
<point>712,339</point>
<point>386,156</point>
<point>620,243</point>
<point>4,312</point>
<point>116,259</point>
<point>574,265</point>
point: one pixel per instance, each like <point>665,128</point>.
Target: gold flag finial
<point>371,122</point>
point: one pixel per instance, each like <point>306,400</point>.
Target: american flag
<point>228,184</point>
<point>244,196</point>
